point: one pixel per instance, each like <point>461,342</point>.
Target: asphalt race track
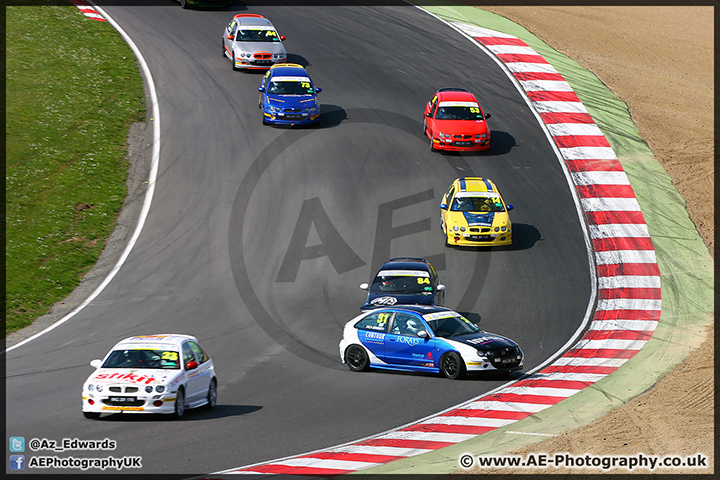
<point>258,238</point>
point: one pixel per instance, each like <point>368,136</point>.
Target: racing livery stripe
<point>629,294</point>
<point>88,10</point>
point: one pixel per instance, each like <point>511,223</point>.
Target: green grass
<point>72,91</point>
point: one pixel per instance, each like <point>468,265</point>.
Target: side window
<point>188,355</point>
<point>434,107</point>
<point>377,322</point>
<point>448,195</point>
<point>406,324</point>
<point>199,353</point>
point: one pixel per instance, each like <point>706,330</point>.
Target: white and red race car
<point>151,374</point>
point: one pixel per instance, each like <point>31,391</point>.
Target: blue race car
<point>288,96</point>
<point>425,339</point>
<point>404,281</point>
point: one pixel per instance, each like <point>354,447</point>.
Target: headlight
<point>481,353</point>
<point>456,228</point>
<point>503,228</point>
<point>160,388</point>
<point>148,389</point>
<point>483,135</point>
<point>271,109</point>
<point>497,229</point>
<point>91,387</point>
<point>477,136</point>
<point>462,229</point>
<point>99,388</point>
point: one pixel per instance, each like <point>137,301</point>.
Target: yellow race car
<point>473,213</point>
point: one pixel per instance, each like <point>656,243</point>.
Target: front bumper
<point>493,239</point>
<point>460,146</point>
<point>251,64</point>
<point>143,403</point>
<point>297,119</point>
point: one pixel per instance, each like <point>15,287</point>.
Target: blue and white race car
<point>288,96</point>
<point>425,339</point>
<point>404,281</point>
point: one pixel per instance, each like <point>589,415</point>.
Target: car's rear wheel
<point>179,403</point>
<point>357,358</point>
<point>91,415</point>
<point>452,366</point>
<point>212,394</point>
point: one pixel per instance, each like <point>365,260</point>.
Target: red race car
<point>454,121</point>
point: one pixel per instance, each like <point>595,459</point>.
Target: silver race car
<point>251,42</point>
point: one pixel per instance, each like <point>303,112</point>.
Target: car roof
<point>455,96</point>
<point>475,184</point>
<point>419,309</point>
<point>406,263</point>
<point>289,70</point>
<point>249,20</point>
<point>171,339</point>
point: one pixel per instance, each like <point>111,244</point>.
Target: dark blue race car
<point>404,281</point>
<point>288,96</point>
<point>425,339</point>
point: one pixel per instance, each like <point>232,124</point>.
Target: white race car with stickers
<point>151,374</point>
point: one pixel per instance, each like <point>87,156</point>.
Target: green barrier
<point>686,268</point>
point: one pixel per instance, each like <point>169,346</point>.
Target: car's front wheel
<point>452,366</point>
<point>212,394</point>
<point>357,358</point>
<point>91,415</point>
<point>179,403</point>
<point>183,3</point>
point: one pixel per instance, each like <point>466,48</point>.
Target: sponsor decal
<point>403,273</point>
<point>479,219</point>
<point>458,104</point>
<point>126,377</point>
<point>481,340</point>
<point>384,301</point>
<point>438,315</point>
<point>374,337</point>
<point>136,409</point>
<point>411,341</point>
<point>477,194</point>
<point>474,363</point>
<point>290,79</point>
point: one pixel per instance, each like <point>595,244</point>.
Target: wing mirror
<point>97,363</point>
<point>443,206</point>
<point>364,286</point>
<point>509,207</point>
<point>429,114</point>
<point>191,365</point>
<point>318,90</point>
<point>261,89</point>
<point>283,37</point>
<point>229,37</point>
<point>422,334</point>
<point>440,287</point>
<point>487,115</point>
